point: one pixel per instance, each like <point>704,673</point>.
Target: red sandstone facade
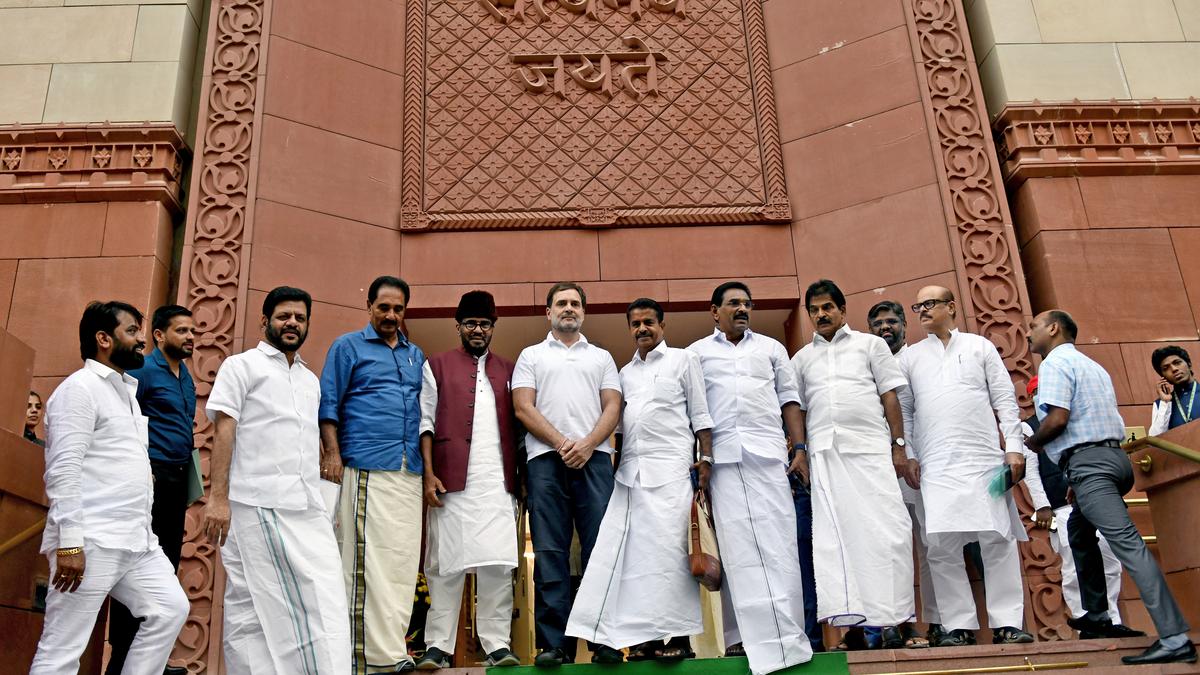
<point>326,154</point>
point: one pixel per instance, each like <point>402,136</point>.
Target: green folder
<point>195,479</point>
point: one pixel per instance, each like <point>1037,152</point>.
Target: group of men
<point>317,484</point>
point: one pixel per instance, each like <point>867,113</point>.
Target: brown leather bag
<point>703,556</point>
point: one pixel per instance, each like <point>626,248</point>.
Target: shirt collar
<point>105,373</point>
<point>1066,347</point>
<point>658,352</point>
<point>369,333</point>
<point>270,350</point>
<point>719,336</point>
<point>844,330</point>
<point>553,340</point>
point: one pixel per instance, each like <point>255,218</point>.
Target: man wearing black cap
<point>469,437</point>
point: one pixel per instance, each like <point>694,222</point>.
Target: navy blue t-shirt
<point>170,403</point>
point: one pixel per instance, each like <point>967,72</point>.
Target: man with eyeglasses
<point>567,393</point>
<point>958,390</point>
<point>751,391</point>
<point>370,443</point>
<point>469,441</point>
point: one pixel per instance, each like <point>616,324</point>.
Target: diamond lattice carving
<point>697,143</point>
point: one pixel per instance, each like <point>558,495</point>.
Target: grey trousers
<point>1100,476</point>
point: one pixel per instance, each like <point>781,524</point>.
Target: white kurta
<point>476,527</point>
<point>955,395</point>
<point>638,585</point>
<point>862,546</point>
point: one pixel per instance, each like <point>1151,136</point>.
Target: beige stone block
<point>24,93</point>
<point>994,93</point>
<point>1189,17</point>
<point>1001,22</point>
<point>1164,69</point>
<point>164,33</point>
<point>1107,20</point>
<point>114,92</point>
<point>5,4</point>
<point>1057,72</point>
<point>67,34</point>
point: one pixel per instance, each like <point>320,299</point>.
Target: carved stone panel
<point>588,113</point>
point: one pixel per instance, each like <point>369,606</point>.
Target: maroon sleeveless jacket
<point>454,372</point>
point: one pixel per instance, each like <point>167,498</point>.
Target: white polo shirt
<point>568,381</point>
<point>277,446</point>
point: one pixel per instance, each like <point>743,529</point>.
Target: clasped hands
<point>575,453</point>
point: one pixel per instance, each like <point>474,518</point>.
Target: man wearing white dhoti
<point>638,590</point>
<point>469,441</point>
<point>958,389</point>
<point>285,599</point>
<point>100,489</point>
<point>862,543</point>
<point>751,391</point>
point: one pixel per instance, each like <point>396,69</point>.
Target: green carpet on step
<point>822,664</point>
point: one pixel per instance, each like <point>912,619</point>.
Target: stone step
<point>1100,656</point>
<point>822,664</point>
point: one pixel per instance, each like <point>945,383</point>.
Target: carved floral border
<point>414,217</point>
<point>213,285</point>
<point>981,234</point>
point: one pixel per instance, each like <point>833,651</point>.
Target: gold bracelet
<point>64,552</point>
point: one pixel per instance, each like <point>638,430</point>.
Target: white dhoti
<point>755,518</point>
<point>1070,579</point>
<point>143,581</point>
<point>916,512</point>
<point>638,585</point>
<point>959,510</point>
<point>379,518</point>
<point>474,530</point>
<point>862,541</point>
<point>285,602</point>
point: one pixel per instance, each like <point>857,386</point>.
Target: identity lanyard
<point>1187,414</point>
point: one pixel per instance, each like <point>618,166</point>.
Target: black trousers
<point>562,500</point>
<point>167,521</point>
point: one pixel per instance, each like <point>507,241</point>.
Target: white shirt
<point>747,384</point>
<point>840,383</point>
<point>956,393</point>
<point>665,406</point>
<point>98,478</point>
<point>276,449</point>
<point>568,381</point>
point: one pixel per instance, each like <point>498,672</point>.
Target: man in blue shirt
<point>370,419</point>
<point>167,396</point>
<point>1081,430</point>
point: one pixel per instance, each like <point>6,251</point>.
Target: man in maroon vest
<point>469,438</point>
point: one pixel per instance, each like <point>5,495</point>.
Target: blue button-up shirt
<point>1069,379</point>
<point>170,403</point>
<point>373,393</point>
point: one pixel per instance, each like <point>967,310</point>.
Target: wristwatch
<point>899,442</point>
<point>707,459</point>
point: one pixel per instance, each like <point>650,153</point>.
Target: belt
<point>1065,457</point>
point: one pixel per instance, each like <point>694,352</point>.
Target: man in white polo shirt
<point>285,597</point>
<point>567,393</point>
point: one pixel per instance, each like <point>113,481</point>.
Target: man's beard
<point>128,358</point>
<point>275,337</point>
<point>177,353</point>
<point>559,326</point>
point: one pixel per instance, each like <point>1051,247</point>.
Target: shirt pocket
<point>667,390</point>
<point>968,370</point>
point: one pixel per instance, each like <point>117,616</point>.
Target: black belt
<point>1065,457</point>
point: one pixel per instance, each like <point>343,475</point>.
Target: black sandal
<point>645,651</point>
<point>676,649</point>
<point>735,650</point>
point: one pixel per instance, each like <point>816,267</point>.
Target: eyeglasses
<point>736,303</point>
<point>481,325</point>
<point>928,304</point>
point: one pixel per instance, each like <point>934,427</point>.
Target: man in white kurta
<point>471,519</point>
<point>285,598</point>
<point>98,537</point>
<point>638,587</point>
<point>862,546</point>
<point>751,390</point>
<point>958,389</point>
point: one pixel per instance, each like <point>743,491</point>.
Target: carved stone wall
<point>981,234</point>
<point>560,113</point>
<point>213,283</point>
